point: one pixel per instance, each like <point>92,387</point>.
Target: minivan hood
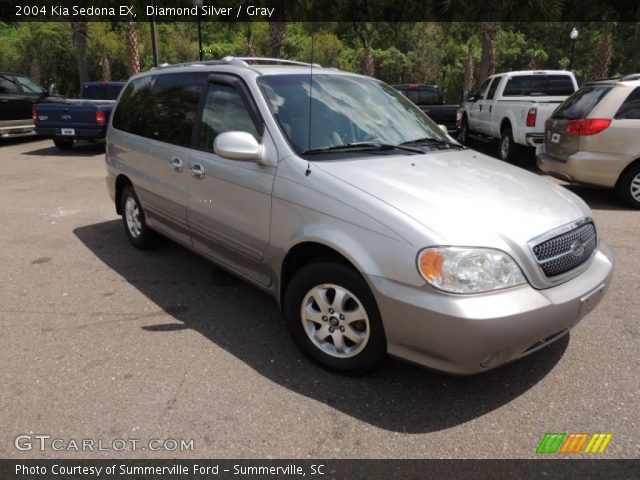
<point>464,197</point>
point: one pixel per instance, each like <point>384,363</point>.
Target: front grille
<point>567,251</point>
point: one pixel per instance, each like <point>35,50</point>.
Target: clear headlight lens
<point>468,270</point>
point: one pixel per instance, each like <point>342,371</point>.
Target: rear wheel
<point>134,220</point>
<point>629,187</point>
<point>332,316</point>
<point>507,145</point>
<point>63,143</point>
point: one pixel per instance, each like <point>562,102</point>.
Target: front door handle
<point>177,164</point>
<point>197,170</point>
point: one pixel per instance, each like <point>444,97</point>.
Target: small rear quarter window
<point>630,108</point>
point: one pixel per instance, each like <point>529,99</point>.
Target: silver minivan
<point>375,232</point>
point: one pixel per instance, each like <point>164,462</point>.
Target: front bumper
<point>467,334</point>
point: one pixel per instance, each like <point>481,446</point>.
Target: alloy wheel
<point>335,321</point>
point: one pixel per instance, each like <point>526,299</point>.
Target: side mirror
<point>238,146</point>
<point>472,97</point>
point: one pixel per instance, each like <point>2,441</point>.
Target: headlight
<point>468,270</point>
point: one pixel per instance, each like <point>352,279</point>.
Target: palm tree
<point>364,30</point>
<point>80,35</point>
<point>133,55</point>
<point>277,32</point>
<point>492,12</point>
<point>602,58</point>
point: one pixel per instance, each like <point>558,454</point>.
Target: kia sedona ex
<point>374,231</point>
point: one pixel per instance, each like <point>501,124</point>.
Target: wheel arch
<point>121,182</point>
<point>304,253</point>
<point>624,171</point>
<point>504,123</point>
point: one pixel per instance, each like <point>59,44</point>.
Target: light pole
<point>198,4</point>
<point>573,36</point>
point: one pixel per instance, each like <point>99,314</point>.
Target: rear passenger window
<point>224,111</point>
<point>161,107</point>
<point>630,109</point>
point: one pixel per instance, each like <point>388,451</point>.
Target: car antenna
<point>308,171</point>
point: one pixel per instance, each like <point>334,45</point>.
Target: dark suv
<point>18,94</point>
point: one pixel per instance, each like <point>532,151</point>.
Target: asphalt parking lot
<point>104,342</point>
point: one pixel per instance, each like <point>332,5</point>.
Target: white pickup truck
<point>513,106</point>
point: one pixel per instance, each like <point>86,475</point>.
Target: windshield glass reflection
<point>341,110</point>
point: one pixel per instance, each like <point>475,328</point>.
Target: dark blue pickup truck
<point>84,118</point>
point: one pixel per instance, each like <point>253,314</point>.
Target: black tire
<point>463,136</point>
<point>507,148</point>
<point>629,187</point>
<point>138,232</point>
<point>63,143</point>
<point>359,302</point>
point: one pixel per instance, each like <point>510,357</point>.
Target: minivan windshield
<point>346,111</point>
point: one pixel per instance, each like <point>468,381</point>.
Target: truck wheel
<point>332,316</point>
<point>464,131</point>
<point>629,187</point>
<point>507,145</point>
<point>63,143</point>
<point>134,220</point>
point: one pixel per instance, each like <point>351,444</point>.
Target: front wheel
<point>629,187</point>
<point>134,220</point>
<point>63,143</point>
<point>332,316</point>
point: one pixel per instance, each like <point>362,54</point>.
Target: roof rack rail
<point>241,61</point>
<point>245,61</point>
<point>189,64</point>
<point>632,76</point>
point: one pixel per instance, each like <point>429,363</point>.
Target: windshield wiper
<point>361,146</point>
<point>434,141</point>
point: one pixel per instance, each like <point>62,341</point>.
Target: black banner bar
<point>556,469</point>
<point>320,10</point>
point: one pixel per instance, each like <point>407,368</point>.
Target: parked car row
<point>373,229</point>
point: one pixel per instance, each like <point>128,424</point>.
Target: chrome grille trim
<point>564,250</point>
